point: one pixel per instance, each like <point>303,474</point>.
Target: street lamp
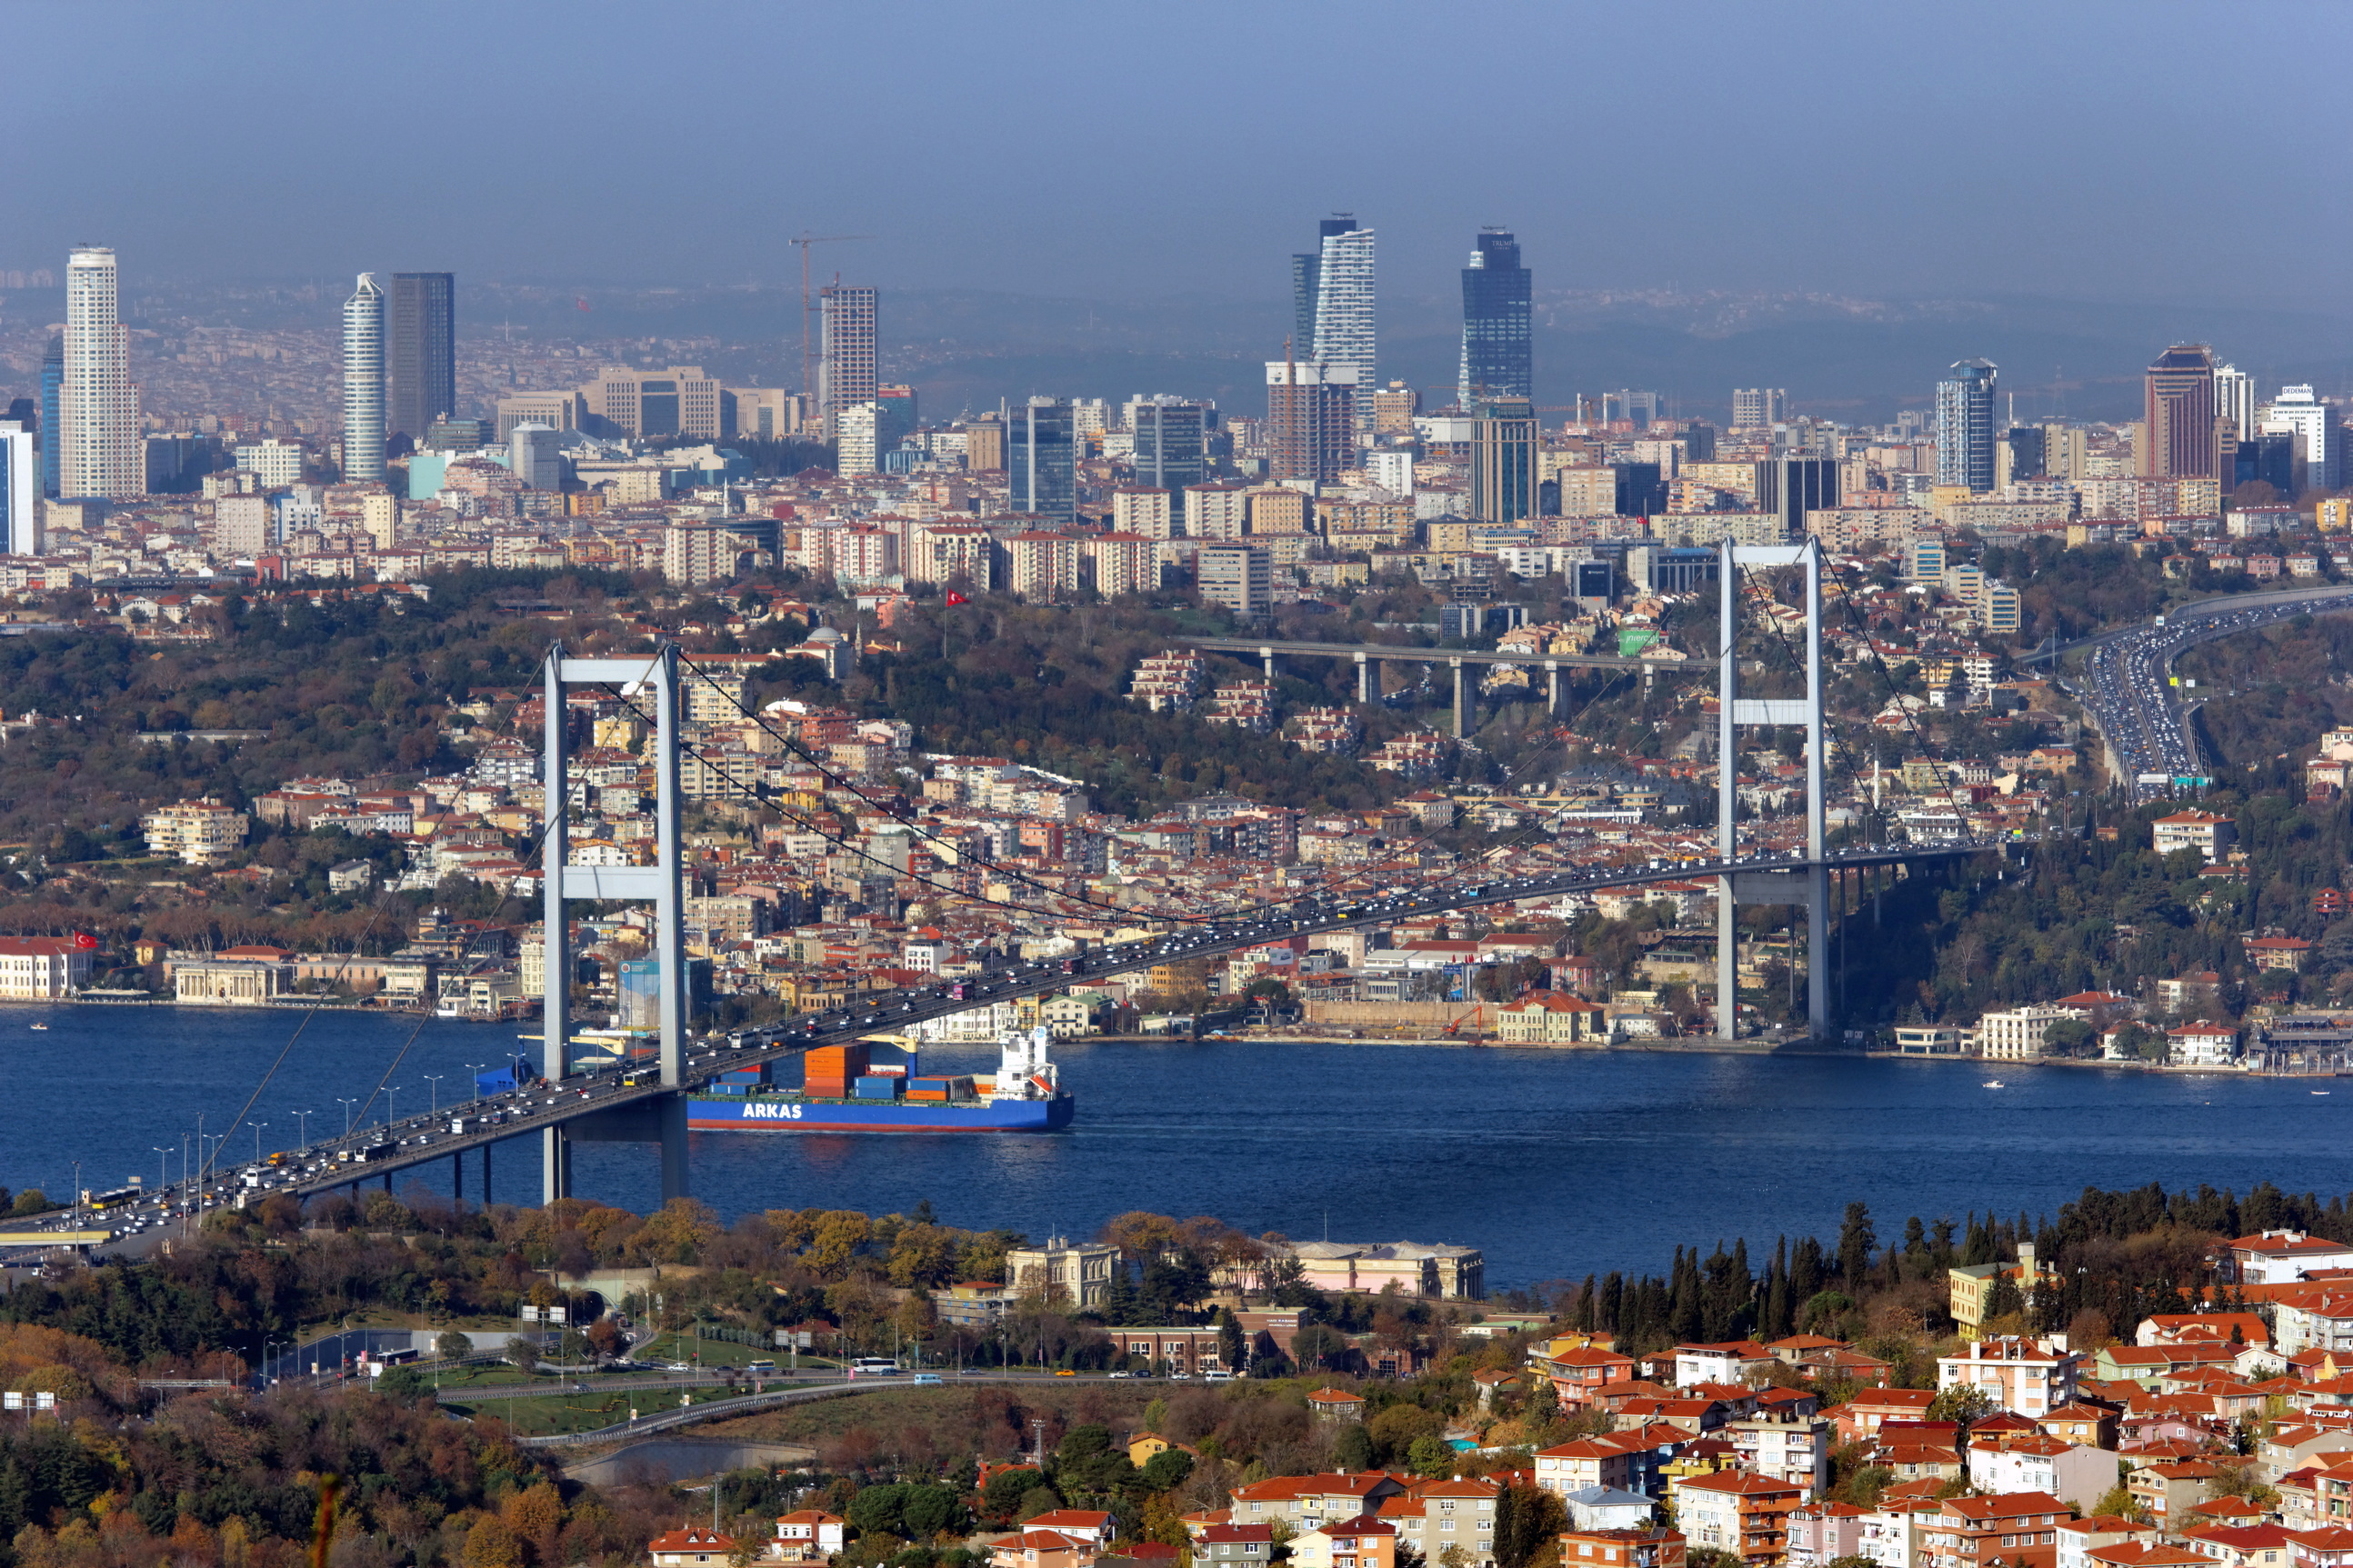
<point>347,1105</point>
<point>388,1093</point>
<point>256,1141</point>
<point>77,1194</point>
<point>301,1126</point>
<point>434,1105</point>
<point>474,1069</point>
<point>162,1170</point>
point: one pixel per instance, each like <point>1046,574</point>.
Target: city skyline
<point>2083,238</point>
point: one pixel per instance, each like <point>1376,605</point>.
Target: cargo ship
<point>843,1090</point>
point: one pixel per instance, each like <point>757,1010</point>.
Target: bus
<point>122,1197</point>
<point>874,1366</point>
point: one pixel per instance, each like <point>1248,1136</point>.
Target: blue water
<point>1555,1163</point>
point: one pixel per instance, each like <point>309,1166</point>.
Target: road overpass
<point>1368,658</point>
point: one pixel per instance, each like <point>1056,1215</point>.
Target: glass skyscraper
<point>420,352</point>
<point>1964,436</point>
<point>53,382</point>
<point>1344,331</point>
<point>1497,361</point>
<point>363,431</point>
<point>1171,450</point>
<point>1042,459</point>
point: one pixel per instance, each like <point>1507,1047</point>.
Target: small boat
<point>2315,1091</point>
<point>1994,1083</point>
<point>39,1025</point>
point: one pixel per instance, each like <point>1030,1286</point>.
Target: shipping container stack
<point>940,1088</point>
<point>875,1086</point>
<point>827,1071</point>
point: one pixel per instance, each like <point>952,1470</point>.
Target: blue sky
<point>2142,152</point>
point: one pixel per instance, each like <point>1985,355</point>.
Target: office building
<point>1640,410</point>
<point>894,417</point>
<point>53,381</point>
<point>420,352</point>
<point>1306,283</point>
<point>1171,447</point>
<point>2268,456</point>
<point>1504,444</point>
<point>557,410</point>
<point>2320,439</point>
<point>1311,420</point>
<point>1343,299</point>
<point>983,446</point>
<point>846,365</point>
<point>2026,448</point>
<point>760,412</point>
<point>1791,487</point>
<point>1759,408</point>
<point>363,427</point>
<point>2178,416</point>
<point>274,464</point>
<point>1964,402</point>
<point>1395,408</point>
<point>1236,576</point>
<point>535,453</point>
<point>98,412</point>
<point>1041,462</point>
<point>647,403</point>
<point>2234,398</point>
<point>1497,325</point>
<point>20,490</point>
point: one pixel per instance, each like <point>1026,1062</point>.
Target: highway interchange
<point>2125,681</point>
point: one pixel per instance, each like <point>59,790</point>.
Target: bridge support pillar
<point>673,1148</point>
<point>1266,657</point>
<point>1364,680</point>
<point>486,1172</point>
<point>1552,688</point>
<point>554,1164</point>
<point>457,1176</point>
<point>1461,700</point>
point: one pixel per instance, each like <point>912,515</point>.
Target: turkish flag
<point>955,598</point>
<point>85,942</point>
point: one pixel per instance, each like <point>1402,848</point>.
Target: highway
<point>2125,688</point>
<point>376,1152</point>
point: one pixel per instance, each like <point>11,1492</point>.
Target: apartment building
<point>1063,1270</point>
<point>2031,1377</point>
<point>196,831</point>
<point>1735,1511</point>
<point>2021,1529</point>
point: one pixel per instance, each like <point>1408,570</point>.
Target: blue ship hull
<point>792,1113</point>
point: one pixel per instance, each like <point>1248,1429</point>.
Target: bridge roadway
<point>1369,657</point>
<point>377,1152</point>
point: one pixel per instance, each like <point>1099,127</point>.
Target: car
<point>1066,1372</point>
<point>1120,1374</point>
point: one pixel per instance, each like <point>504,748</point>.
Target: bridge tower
<point>1809,887</point>
<point>662,1120</point>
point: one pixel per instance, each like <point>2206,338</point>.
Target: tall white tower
<point>1344,307</point>
<point>363,383</point>
<point>98,413</point>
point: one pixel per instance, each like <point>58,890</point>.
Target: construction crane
<point>808,342</point>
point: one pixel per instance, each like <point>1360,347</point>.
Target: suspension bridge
<point>647,1103</point>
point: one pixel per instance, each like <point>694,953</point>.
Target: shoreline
<point>1701,1046</point>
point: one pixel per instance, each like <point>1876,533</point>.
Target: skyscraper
<point>1498,359</point>
<point>364,432</point>
<point>1311,419</point>
<point>2320,439</point>
<point>1964,443</point>
<point>845,372</point>
<point>2234,398</point>
<point>1504,443</point>
<point>1344,301</point>
<point>20,490</point>
<point>1306,283</point>
<point>98,413</point>
<point>53,382</point>
<point>420,352</point>
<point>1171,447</point>
<point>1042,459</point>
<point>2177,415</point>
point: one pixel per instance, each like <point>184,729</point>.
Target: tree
<point>454,1346</point>
<point>2070,1038</point>
<point>1431,1456</point>
<point>1527,1521</point>
<point>1167,1470</point>
<point>1963,1403</point>
<point>1003,1495</point>
<point>491,1544</point>
<point>1352,1450</point>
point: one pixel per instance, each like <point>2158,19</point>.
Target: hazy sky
<point>2139,150</point>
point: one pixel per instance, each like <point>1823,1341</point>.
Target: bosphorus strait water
<point>1555,1163</point>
